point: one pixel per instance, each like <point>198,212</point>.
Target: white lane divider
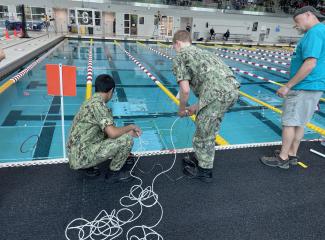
<point>266,54</point>
<point>274,52</point>
<point>254,64</point>
<point>232,68</point>
<point>255,57</point>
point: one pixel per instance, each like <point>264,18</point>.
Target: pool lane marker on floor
<point>89,71</point>
<point>22,73</point>
<point>251,63</point>
<point>219,140</point>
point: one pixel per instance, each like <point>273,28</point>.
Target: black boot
<point>130,161</point>
<point>202,174</point>
<point>190,160</point>
<point>118,176</point>
<point>91,172</point>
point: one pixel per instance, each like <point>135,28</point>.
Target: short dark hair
<point>104,83</point>
<point>183,36</point>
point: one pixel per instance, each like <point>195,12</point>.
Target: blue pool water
<point>30,123</point>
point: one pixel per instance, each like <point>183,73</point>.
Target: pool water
<point>30,122</point>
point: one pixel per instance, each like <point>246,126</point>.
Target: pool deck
<point>246,200</point>
<point>19,51</point>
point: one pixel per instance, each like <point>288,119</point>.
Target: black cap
<point>309,9</point>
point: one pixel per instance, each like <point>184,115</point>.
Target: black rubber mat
<point>246,200</point>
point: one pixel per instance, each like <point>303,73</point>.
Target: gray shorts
<point>299,107</point>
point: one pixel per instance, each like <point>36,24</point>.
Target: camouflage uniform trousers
<point>117,149</point>
<point>207,123</point>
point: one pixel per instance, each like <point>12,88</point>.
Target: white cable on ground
<point>110,225</point>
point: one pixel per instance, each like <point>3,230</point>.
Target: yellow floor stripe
<point>141,43</point>
<point>302,165</point>
<point>88,91</point>
<point>163,45</point>
<point>6,85</point>
<point>226,46</point>
<point>309,125</point>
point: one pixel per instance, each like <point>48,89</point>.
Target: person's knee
<point>127,140</point>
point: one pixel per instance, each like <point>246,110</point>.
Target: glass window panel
<point>37,10</point>
<point>97,22</point>
<point>3,8</point>
<point>97,14</point>
<point>72,20</point>
<point>18,9</point>
<point>126,30</point>
<point>126,16</point>
<point>126,24</point>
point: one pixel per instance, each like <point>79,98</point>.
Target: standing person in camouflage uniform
<point>94,138</point>
<point>216,88</point>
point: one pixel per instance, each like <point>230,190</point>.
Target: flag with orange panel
<point>69,76</point>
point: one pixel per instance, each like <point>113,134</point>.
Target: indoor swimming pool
<point>30,122</point>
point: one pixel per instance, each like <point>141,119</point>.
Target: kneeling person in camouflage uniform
<point>94,138</point>
<point>216,88</point>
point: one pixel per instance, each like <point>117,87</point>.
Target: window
<point>126,23</point>
<point>4,12</point>
<point>141,20</point>
<point>72,16</point>
<point>37,10</point>
<point>34,14</point>
<point>97,18</point>
<point>85,17</point>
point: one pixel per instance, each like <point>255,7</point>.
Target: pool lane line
<point>265,54</point>
<point>153,68</point>
<point>234,69</point>
<point>159,53</point>
<point>251,63</point>
<point>120,92</point>
<point>22,73</point>
<point>219,140</point>
<point>240,48</point>
<point>274,52</point>
<point>89,83</point>
<point>250,56</point>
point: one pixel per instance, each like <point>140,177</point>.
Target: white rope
<point>110,225</point>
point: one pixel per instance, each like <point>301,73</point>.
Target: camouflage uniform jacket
<point>87,130</point>
<point>209,77</point>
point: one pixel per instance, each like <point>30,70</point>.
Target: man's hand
<point>283,91</point>
<point>136,131</point>
<point>192,109</point>
<point>182,112</point>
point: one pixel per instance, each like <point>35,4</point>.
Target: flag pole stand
<point>62,112</point>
